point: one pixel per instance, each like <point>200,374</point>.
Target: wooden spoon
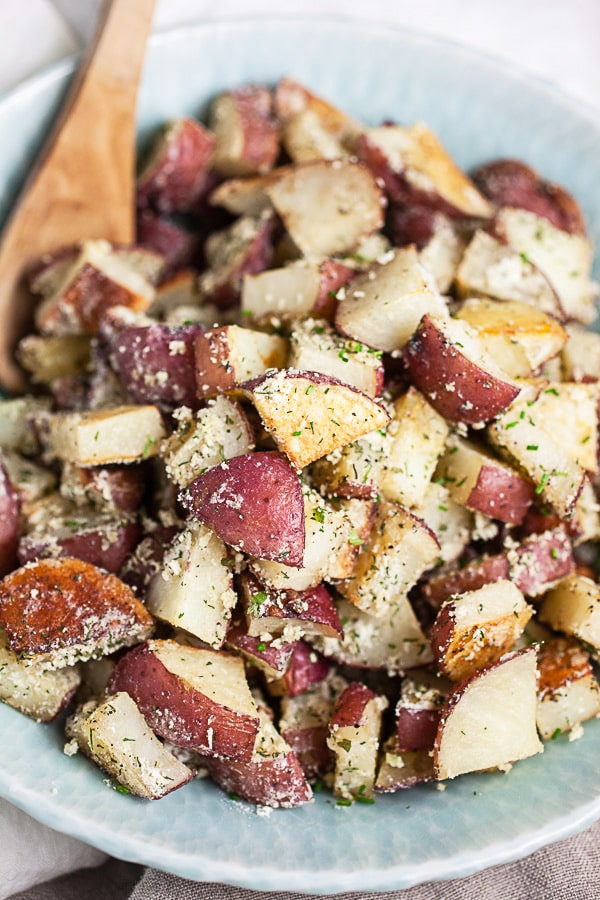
<point>82,184</point>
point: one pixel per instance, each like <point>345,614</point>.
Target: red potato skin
<point>433,362</point>
<point>122,487</point>
<point>508,182</point>
<point>306,668</point>
<point>155,364</point>
<point>278,782</point>
<point>543,559</point>
<point>272,660</point>
<point>175,177</point>
<point>75,603</point>
<point>179,246</point>
<point>254,503</point>
<point>350,705</point>
<point>416,728</point>
<point>400,192</point>
<point>257,257</point>
<point>311,750</point>
<point>334,275</point>
<point>473,576</point>
<point>89,295</point>
<point>179,713</point>
<point>414,223</point>
<point>10,527</point>
<point>501,495</point>
<point>312,605</point>
<point>260,132</point>
<point>91,545</point>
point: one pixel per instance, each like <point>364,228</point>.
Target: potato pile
<point>305,490</point>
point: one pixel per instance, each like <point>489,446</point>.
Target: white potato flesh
<point>418,436</point>
<point>442,253</point>
<point>31,687</point>
<point>16,432</point>
<point>194,589</point>
<point>114,734</point>
<point>570,409</point>
<point>490,722</point>
<point>400,549</point>
<point>120,435</point>
<point>520,337</point>
<point>490,267</point>
<point>392,644</point>
<point>47,357</point>
<point>519,435</point>
<point>217,432</point>
<point>383,307</point>
<point>357,469</point>
<point>356,749</point>
<point>573,606</point>
<point>288,291</point>
<point>450,522</point>
<point>565,259</point>
<point>346,195</point>
<point>581,354</point>
<point>306,139</point>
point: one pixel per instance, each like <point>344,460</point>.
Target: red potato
<point>392,645</point>
<point>572,410</point>
<point>519,435</point>
<point>521,339</point>
<point>293,98</point>
<point>205,438</point>
<point>356,470</point>
<point>565,259</point>
<point>47,275</point>
<point>63,610</point>
<point>254,502</point>
<point>401,547</point>
<point>175,171</point>
<point>247,136</point>
<point>309,414</point>
<point>354,737</point>
<point>272,659</point>
<point>31,481</point>
<point>193,697</point>
<point>304,723</point>
<point>97,279</point>
<point>303,287</point>
<point>177,294</point>
<point>10,522</point>
<point>446,361</point>
<point>332,539</point>
<point>272,777</point>
<point>227,356</point>
<point>399,769</point>
<point>474,575</point>
<point>55,528</point>
<point>347,196</point>
<point>573,607</point>
<point>489,721</point>
<point>193,590</point>
<point>155,363</point>
<point>105,487</point>
<point>442,251</point>
<point>416,439</point>
<point>451,523</point>
<point>275,612</point>
<point>580,357</point>
<point>306,668</point>
<point>541,560</point>
<point>49,357</point>
<point>317,347</point>
<point>113,733</point>
<point>418,710</point>
<point>241,249</point>
<point>480,482</point>
<point>18,423</point>
<point>383,306</point>
<point>121,434</point>
<point>146,559</point>
<point>509,182</point>
<point>178,246</point>
<point>568,691</point>
<point>490,267</point>
<point>476,628</point>
<point>32,688</point>
<point>417,167</point>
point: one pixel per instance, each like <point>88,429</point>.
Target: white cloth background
<point>557,40</point>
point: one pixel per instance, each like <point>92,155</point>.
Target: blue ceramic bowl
<point>481,110</point>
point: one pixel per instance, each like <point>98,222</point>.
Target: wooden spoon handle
<point>82,184</point>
